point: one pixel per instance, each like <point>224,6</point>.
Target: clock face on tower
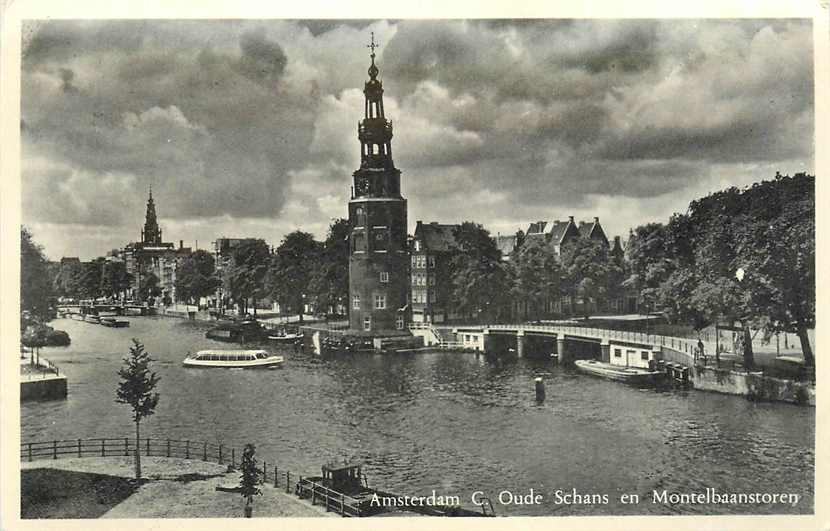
<point>363,186</point>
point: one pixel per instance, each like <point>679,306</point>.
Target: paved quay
<point>180,488</point>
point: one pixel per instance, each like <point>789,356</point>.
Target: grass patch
<point>53,493</point>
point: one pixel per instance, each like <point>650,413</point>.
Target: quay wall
<point>48,388</point>
<point>752,385</point>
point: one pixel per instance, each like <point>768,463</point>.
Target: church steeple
<point>151,233</point>
<point>374,131</point>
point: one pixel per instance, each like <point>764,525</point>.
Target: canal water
<point>449,422</point>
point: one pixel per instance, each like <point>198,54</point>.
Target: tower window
<point>356,302</point>
<point>380,302</point>
<point>431,261</point>
<point>384,276</point>
<point>358,242</point>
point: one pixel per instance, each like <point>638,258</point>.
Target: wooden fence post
<point>287,481</point>
<point>79,448</point>
<point>54,449</point>
<point>264,472</point>
<point>275,476</point>
<point>204,452</point>
<point>187,449</point>
<point>220,454</point>
<point>126,447</point>
<point>233,457</point>
<point>148,447</point>
<point>30,452</point>
<point>103,448</point>
<point>168,447</point>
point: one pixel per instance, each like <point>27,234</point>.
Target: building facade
<point>153,256</point>
<point>430,272</point>
<point>378,258</point>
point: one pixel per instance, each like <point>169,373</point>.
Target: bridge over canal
<point>569,342</point>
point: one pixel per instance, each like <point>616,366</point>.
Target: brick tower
<point>378,257</point>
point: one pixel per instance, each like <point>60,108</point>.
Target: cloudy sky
<point>248,128</point>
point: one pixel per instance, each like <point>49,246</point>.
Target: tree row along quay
<point>151,447</point>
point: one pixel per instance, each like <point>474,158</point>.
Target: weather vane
<point>372,45</point>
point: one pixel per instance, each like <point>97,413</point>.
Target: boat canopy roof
<point>231,351</point>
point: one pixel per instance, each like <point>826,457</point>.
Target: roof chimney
<point>571,219</point>
<point>596,219</point>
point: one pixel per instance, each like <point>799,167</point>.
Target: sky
<point>248,128</point>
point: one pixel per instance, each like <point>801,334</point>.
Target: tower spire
<point>152,232</point>
<point>374,131</point>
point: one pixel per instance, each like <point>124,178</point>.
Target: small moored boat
<point>92,319</point>
<point>115,323</point>
<point>620,373</point>
<point>237,331</point>
<point>285,337</point>
<point>241,359</point>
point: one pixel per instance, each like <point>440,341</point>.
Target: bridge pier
<point>605,351</point>
<point>520,344</point>
<point>561,349</point>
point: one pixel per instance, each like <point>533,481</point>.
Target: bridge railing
<point>680,344</point>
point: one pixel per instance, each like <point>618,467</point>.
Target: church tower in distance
<point>378,257</point>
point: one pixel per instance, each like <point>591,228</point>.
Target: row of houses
<point>433,242</point>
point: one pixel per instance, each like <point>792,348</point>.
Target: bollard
<point>540,390</point>
<point>264,472</point>
<point>275,476</point>
<point>287,481</point>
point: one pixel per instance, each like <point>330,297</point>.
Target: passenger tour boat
<point>241,359</point>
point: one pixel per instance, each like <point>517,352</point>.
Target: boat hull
<point>267,363</point>
<point>631,375</point>
<point>241,359</point>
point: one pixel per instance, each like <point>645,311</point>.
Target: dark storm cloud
<point>262,61</point>
<point>204,125</point>
<point>320,26</point>
<point>256,120</point>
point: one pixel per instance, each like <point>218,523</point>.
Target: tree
<point>67,280</point>
<point>589,274</point>
<point>136,390</point>
<point>250,477</point>
<point>244,277</point>
<point>89,279</point>
<point>148,286</point>
<point>114,278</point>
<point>479,278</point>
<point>536,277</point>
<point>330,281</point>
<point>648,262</point>
<point>746,256</point>
<point>292,270</point>
<point>196,276</point>
<point>35,282</point>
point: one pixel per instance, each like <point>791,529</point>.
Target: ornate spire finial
<point>373,70</point>
<point>372,46</point>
